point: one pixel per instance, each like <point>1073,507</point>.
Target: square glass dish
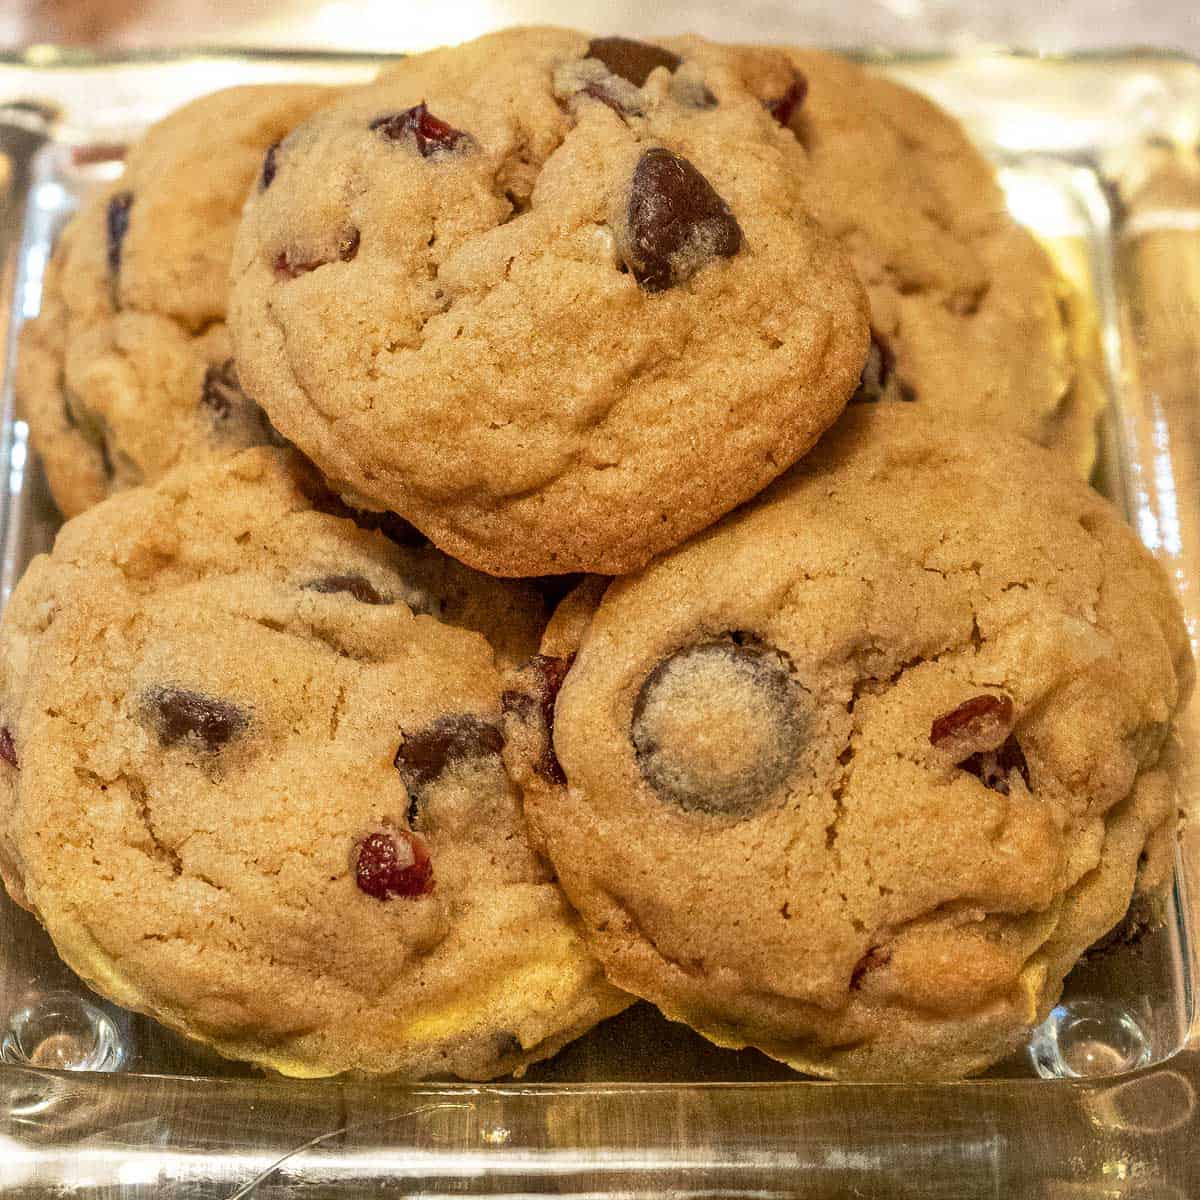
<point>1099,156</point>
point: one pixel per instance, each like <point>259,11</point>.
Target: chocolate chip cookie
<point>127,370</point>
<point>557,302</point>
<point>855,776</point>
<point>252,785</point>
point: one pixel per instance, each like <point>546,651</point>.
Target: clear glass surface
<point>1098,156</point>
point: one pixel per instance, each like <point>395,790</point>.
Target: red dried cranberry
<point>782,107</point>
<point>431,135</point>
<point>8,748</point>
<point>117,222</point>
<point>980,717</point>
<point>677,222</point>
<point>543,678</point>
<point>269,167</point>
<point>393,864</point>
<point>631,60</point>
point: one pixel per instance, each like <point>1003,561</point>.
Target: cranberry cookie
<point>127,370</point>
<point>856,776</point>
<point>252,786</point>
<point>557,302</point>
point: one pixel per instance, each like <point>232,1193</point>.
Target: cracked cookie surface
<point>251,784</point>
<point>557,316</point>
<point>855,776</point>
<point>127,370</point>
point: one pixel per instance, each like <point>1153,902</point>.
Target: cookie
<point>855,776</point>
<point>557,303</point>
<point>252,786</point>
<point>968,313</point>
<point>127,370</point>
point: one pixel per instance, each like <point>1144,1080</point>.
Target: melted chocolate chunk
<point>425,754</point>
<point>8,748</point>
<point>542,678</point>
<point>269,167</point>
<point>631,60</point>
<point>982,717</point>
<point>177,713</point>
<point>221,391</point>
<point>994,767</point>
<point>391,864</point>
<point>677,222</point>
<point>117,223</point>
<point>719,726</point>
<point>782,107</point>
<point>429,134</point>
<point>354,585</point>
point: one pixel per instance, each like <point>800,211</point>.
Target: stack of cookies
<point>571,521</point>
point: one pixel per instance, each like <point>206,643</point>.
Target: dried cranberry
<point>677,222</point>
<point>425,754</point>
<point>630,59</point>
<point>782,107</point>
<point>542,678</point>
<point>8,748</point>
<point>982,717</point>
<point>268,167</point>
<point>177,713</point>
<point>353,585</point>
<point>431,135</point>
<point>393,864</point>
<point>117,221</point>
<point>221,391</point>
<point>876,956</point>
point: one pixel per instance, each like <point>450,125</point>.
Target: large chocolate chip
<point>354,585</point>
<point>8,748</point>
<point>782,107</point>
<point>718,727</point>
<point>631,60</point>
<point>176,713</point>
<point>221,391</point>
<point>425,754</point>
<point>269,167</point>
<point>393,864</point>
<point>676,222</point>
<point>541,679</point>
<point>117,223</point>
<point>429,134</point>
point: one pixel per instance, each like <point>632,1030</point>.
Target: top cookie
<point>559,306</point>
<point>965,305</point>
<point>251,784</point>
<point>855,776</point>
<point>127,369</point>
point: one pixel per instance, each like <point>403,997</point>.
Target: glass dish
<point>1098,155</point>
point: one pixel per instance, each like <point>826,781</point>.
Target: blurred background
<point>386,25</point>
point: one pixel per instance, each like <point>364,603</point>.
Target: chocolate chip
<point>631,60</point>
<point>719,726</point>
<point>425,754</point>
<point>986,718</point>
<point>782,107</point>
<point>354,585</point>
<point>117,220</point>
<point>8,748</point>
<point>875,957</point>
<point>417,124</point>
<point>177,713</point>
<point>677,222</point>
<point>993,768</point>
<point>268,167</point>
<point>221,391</point>
<point>541,679</point>
<point>878,372</point>
<point>393,864</point>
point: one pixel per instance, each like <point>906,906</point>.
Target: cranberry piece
<point>431,135</point>
<point>177,713</point>
<point>876,956</point>
<point>782,107</point>
<point>994,767</point>
<point>8,748</point>
<point>221,391</point>
<point>354,585</point>
<point>542,679</point>
<point>985,717</point>
<point>677,222</point>
<point>630,59</point>
<point>425,754</point>
<point>393,864</point>
<point>117,224</point>
<point>269,167</point>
